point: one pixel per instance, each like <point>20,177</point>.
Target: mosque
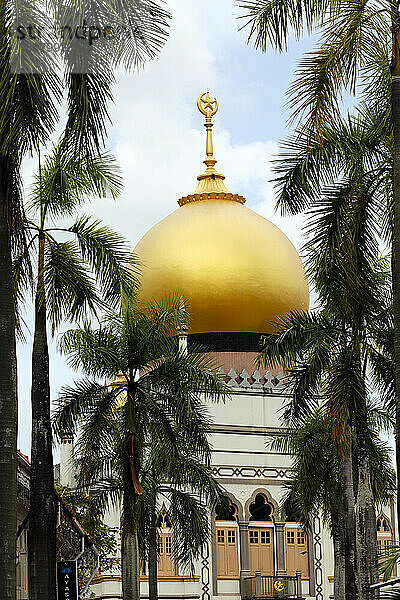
<point>238,272</point>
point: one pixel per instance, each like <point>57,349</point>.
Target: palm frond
<point>69,289</point>
<point>136,34</point>
<point>66,180</point>
<point>334,66</point>
<point>109,258</point>
<point>146,35</point>
<point>30,86</point>
<point>192,531</point>
<point>271,22</point>
<point>308,161</point>
<point>97,352</point>
<point>73,404</point>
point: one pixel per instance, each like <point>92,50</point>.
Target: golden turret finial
<point>210,180</point>
<point>208,108</point>
<point>211,184</point>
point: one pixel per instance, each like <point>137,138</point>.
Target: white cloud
<point>158,134</point>
<point>159,139</point>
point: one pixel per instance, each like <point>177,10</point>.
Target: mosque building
<point>238,273</point>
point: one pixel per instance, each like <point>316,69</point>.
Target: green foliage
<point>66,179</point>
<point>86,266</point>
<point>352,53</point>
<point>314,451</point>
<point>340,171</point>
<point>142,436</point>
<point>104,538</point>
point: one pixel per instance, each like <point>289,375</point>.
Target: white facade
<point>246,468</point>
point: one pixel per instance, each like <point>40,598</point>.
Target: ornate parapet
<point>267,383</point>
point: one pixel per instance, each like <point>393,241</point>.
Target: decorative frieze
<point>251,472</point>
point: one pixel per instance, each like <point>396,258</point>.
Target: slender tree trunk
<point>349,518</point>
<point>395,101</point>
<point>8,405</point>
<point>339,551</point>
<point>42,523</point>
<point>153,574</point>
<point>365,513</point>
<point>130,552</point>
<point>397,444</point>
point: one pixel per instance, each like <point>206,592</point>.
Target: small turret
<point>67,464</point>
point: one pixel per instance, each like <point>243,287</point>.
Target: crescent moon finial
<point>206,106</point>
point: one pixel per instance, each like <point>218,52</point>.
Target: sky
<point>158,138</point>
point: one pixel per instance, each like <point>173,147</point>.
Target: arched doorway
<point>166,565</point>
<point>261,536</point>
<point>227,533</point>
<point>384,535</point>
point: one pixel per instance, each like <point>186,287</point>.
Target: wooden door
<point>296,551</point>
<point>227,552</point>
<point>261,550</point>
<point>166,565</point>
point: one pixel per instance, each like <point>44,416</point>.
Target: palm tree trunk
<point>8,405</point>
<point>365,513</point>
<point>397,445</point>
<point>42,523</point>
<point>130,552</point>
<point>339,551</point>
<point>349,518</point>
<point>153,567</point>
<point>395,102</point>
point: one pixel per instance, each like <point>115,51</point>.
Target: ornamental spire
<point>211,184</point>
<point>210,180</point>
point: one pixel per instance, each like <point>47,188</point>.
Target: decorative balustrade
<point>268,383</point>
<point>271,587</point>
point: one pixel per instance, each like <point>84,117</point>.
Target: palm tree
<point>311,444</point>
<point>360,46</point>
<point>155,403</point>
<point>382,370</point>
<point>26,118</point>
<point>307,164</point>
<point>314,450</point>
<point>67,273</point>
<point>183,484</point>
<point>357,149</point>
<point>31,88</point>
<point>332,347</point>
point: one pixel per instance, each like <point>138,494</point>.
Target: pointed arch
<point>165,541</point>
<point>384,534</point>
<point>383,524</point>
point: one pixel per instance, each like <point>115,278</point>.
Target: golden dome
<point>236,270</point>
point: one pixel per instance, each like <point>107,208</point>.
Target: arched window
<point>163,521</point>
<point>383,534</point>
<point>166,565</point>
<point>383,525</point>
<point>227,533</point>
<point>226,510</point>
<point>261,536</point>
<point>260,509</point>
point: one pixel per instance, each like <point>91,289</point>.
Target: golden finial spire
<point>210,180</point>
<point>211,184</point>
<point>208,108</point>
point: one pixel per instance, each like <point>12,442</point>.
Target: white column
<point>67,470</point>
